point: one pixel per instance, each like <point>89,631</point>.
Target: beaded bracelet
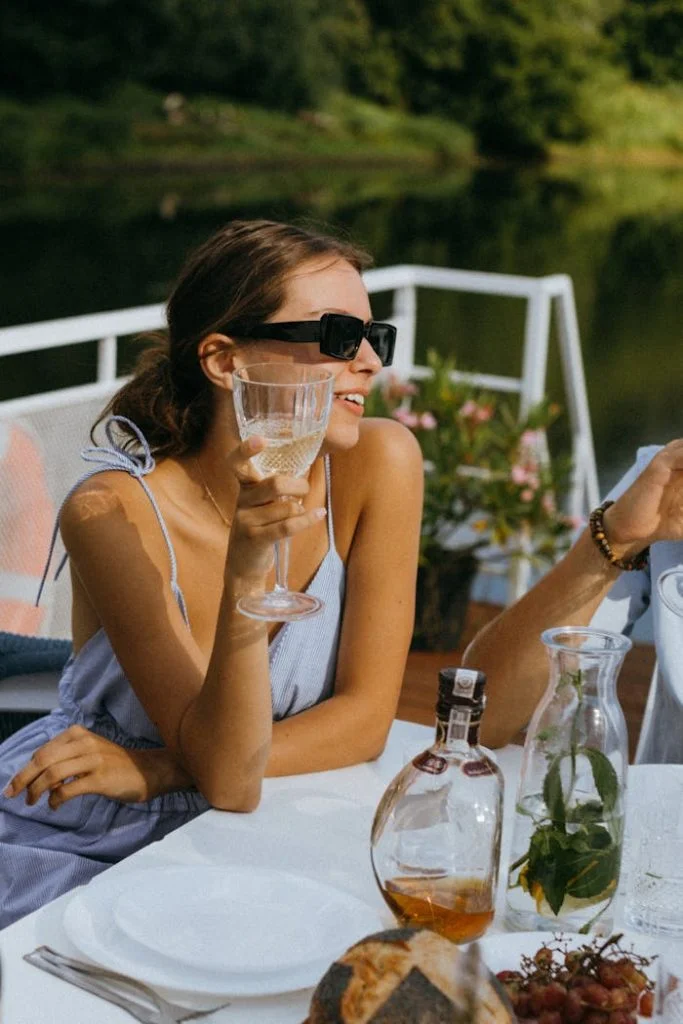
<point>597,528</point>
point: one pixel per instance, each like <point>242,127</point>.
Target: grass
<point>139,129</point>
<point>631,123</point>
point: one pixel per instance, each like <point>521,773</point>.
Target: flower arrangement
<point>488,480</point>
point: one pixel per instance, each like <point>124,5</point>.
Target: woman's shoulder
<point>386,450</point>
<point>105,504</point>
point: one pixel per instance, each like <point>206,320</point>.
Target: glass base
<point>279,606</point>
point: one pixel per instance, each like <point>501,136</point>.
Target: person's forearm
<point>509,650</point>
<point>333,734</point>
<point>226,731</point>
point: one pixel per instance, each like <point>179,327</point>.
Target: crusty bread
<point>402,976</point>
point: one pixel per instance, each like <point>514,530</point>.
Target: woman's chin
<point>339,437</point>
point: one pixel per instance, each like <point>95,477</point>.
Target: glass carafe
<point>569,814</point>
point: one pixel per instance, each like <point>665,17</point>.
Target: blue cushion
<point>23,655</point>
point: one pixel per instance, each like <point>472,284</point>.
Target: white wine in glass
<point>289,405</point>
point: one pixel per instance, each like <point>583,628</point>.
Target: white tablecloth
<point>317,824</point>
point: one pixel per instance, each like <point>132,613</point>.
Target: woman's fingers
<point>278,521</point>
<point>68,790</point>
<point>239,460</point>
<point>271,489</point>
<point>73,742</point>
<point>56,774</point>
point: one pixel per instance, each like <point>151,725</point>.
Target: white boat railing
<point>544,296</point>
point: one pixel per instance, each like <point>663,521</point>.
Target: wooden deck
<point>418,695</point>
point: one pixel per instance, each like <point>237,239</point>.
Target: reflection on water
<point>618,232</point>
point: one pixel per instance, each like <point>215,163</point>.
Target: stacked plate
<point>217,930</point>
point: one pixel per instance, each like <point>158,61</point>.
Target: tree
<point>648,35</point>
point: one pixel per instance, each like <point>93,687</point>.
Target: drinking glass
<point>670,586</point>
<point>288,404</point>
<point>669,990</point>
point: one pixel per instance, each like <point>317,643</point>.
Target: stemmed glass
<point>670,585</point>
<point>288,404</point>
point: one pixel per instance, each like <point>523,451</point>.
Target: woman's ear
<point>216,357</point>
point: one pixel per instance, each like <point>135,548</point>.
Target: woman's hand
<point>268,510</point>
<point>652,507</point>
<point>78,761</point>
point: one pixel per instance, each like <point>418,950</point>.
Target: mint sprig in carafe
<point>569,816</point>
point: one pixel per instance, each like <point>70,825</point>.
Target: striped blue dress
<point>44,853</point>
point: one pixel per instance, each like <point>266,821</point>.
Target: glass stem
<point>281,565</point>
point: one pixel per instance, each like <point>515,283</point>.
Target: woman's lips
<point>353,407</point>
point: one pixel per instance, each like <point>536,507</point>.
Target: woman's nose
<point>366,358</point>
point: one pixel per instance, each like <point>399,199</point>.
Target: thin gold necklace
<point>209,495</point>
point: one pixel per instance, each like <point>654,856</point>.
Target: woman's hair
<point>238,279</point>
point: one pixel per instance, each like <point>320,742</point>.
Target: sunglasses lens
<point>382,338</point>
<point>343,335</point>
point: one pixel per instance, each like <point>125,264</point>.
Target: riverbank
<point>139,131</point>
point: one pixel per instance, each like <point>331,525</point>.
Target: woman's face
<point>326,285</point>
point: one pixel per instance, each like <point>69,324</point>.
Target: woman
<point>607,581</point>
<point>174,701</point>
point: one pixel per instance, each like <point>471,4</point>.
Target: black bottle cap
<point>462,686</point>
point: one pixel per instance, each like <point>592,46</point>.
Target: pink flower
<point>469,409</point>
<point>484,413</point>
<point>518,474</point>
<point>527,494</point>
<point>406,417</point>
<point>548,502</point>
<point>428,421</point>
<point>396,388</point>
<point>530,438</point>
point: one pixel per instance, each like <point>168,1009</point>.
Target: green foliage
<point>648,35</point>
<point>484,467</point>
<point>67,130</point>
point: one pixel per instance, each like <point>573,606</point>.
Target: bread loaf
<point>403,976</point>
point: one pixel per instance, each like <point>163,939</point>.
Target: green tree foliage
<point>648,35</point>
<point>282,55</point>
<point>514,72</point>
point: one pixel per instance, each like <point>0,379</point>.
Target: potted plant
<point>489,484</point>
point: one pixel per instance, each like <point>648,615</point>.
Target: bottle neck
<point>460,727</point>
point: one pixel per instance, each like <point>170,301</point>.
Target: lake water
<point>618,232</point>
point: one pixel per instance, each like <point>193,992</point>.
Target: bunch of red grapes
<point>596,984</point>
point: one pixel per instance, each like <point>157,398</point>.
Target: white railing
<point>543,296</point>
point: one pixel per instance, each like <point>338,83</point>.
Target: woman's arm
<point>376,629</point>
<point>386,473</point>
<point>214,715</point>
<point>509,649</point>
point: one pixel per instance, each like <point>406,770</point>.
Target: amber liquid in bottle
<point>435,840</point>
<point>460,909</point>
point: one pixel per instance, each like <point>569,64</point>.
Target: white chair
<point>41,438</point>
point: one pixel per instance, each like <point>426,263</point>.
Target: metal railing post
<point>106,358</point>
<point>404,313</point>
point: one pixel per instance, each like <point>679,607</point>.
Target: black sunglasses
<point>340,336</point>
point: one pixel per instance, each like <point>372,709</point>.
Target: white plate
<point>219,931</point>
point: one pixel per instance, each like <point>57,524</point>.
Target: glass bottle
<point>569,813</point>
<point>435,839</point>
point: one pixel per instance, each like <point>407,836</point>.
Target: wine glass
<point>288,404</point>
<point>670,585</point>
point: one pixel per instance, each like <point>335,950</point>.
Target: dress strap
<point>138,464</point>
<point>328,502</point>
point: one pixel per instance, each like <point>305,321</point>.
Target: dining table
<point>316,826</point>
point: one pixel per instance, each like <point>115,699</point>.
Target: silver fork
<point>149,1007</point>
